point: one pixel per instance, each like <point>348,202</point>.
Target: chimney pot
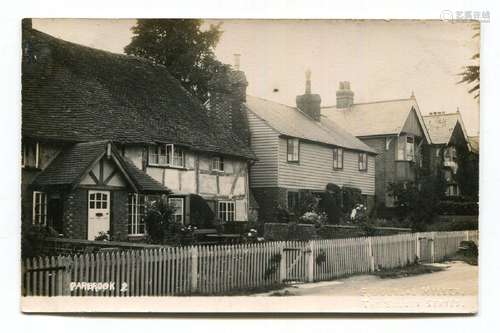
<point>345,97</point>
<point>309,103</point>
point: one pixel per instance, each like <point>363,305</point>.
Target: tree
<point>183,47</point>
<point>471,73</point>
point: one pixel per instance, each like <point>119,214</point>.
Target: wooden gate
<point>295,263</point>
<point>426,250</point>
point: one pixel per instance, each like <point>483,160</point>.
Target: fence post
<point>282,263</point>
<point>310,262</point>
<point>467,235</point>
<point>370,255</point>
<point>194,268</point>
<point>417,248</point>
<point>431,242</point>
<point>66,291</point>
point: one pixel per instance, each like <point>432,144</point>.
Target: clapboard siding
<point>315,169</point>
<point>264,141</point>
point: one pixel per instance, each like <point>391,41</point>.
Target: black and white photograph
<point>258,165</point>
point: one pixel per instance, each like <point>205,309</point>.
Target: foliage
<point>103,236</point>
<point>318,219</point>
<point>202,215</point>
<point>417,201</point>
<point>457,208</point>
<point>351,196</point>
<point>282,215</point>
<point>307,203</point>
<point>160,220</point>
<point>33,237</point>
<point>184,47</point>
<point>471,73</point>
<point>330,203</point>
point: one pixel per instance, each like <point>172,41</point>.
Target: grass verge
<point>410,270</point>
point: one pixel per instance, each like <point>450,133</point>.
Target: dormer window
<point>30,154</point>
<point>166,155</point>
<point>218,164</point>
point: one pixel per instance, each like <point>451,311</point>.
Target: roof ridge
<point>271,101</point>
<point>442,114</point>
<point>373,102</point>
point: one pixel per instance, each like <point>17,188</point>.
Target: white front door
<point>98,213</point>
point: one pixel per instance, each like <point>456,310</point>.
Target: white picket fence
<point>221,269</point>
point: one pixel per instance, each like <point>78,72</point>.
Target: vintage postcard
<point>190,165</point>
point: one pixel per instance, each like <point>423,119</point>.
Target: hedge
<point>457,208</point>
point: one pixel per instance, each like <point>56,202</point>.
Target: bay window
<point>39,208</point>
<point>292,150</point>
<point>338,158</point>
<point>136,214</point>
<point>166,155</point>
<point>226,211</point>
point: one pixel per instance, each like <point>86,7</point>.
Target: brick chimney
<point>309,103</point>
<point>345,97</point>
<point>225,105</point>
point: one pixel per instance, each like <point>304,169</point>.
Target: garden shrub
<point>159,220</point>
<point>202,215</point>
<point>351,196</point>
<point>449,207</point>
<point>33,237</point>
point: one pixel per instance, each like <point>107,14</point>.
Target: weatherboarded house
<point>394,129</point>
<point>299,150</point>
<point>102,131</point>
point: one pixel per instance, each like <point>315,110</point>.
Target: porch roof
<point>72,163</point>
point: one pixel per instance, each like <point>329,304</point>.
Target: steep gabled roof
<point>290,121</point>
<point>72,163</point>
<point>75,93</point>
<point>375,118</point>
<point>474,144</point>
<point>441,126</point>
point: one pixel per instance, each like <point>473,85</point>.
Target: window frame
<point>226,215</point>
<point>169,157</point>
<point>183,207</point>
<point>24,157</point>
<point>135,215</point>
<point>41,218</point>
<point>335,154</point>
<point>363,161</point>
<point>402,149</point>
<point>291,157</point>
<point>220,163</point>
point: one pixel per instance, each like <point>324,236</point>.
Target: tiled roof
<point>441,126</point>
<point>71,164</point>
<point>474,144</point>
<point>292,122</point>
<point>75,93</point>
<point>375,118</point>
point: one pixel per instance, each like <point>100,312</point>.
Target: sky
<point>381,59</point>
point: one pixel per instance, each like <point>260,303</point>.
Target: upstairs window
<point>363,161</point>
<point>338,158</point>
<point>292,150</point>
<point>178,206</point>
<point>136,214</point>
<point>226,211</point>
<point>218,164</point>
<point>406,148</point>
<point>450,154</point>
<point>30,155</point>
<point>39,208</point>
<point>166,155</point>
